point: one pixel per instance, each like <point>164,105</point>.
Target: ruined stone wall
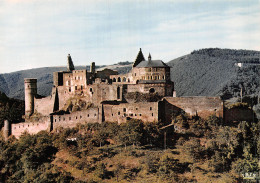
<point>31,127</point>
<point>203,106</point>
<point>147,112</point>
<point>90,115</point>
<point>239,114</point>
<point>44,106</point>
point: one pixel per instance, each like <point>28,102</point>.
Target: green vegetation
<point>10,109</point>
<point>205,150</point>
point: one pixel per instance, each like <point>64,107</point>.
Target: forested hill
<point>211,72</point>
<point>205,72</point>
<point>10,109</point>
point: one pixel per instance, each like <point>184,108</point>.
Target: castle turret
<point>70,65</point>
<point>30,91</point>
<point>92,68</point>
<point>7,131</point>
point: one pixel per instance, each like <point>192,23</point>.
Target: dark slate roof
<point>139,58</point>
<point>152,63</point>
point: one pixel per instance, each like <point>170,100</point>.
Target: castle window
<point>155,77</point>
<point>128,80</point>
<point>81,87</point>
<point>158,77</point>
<point>88,115</point>
<point>135,114</point>
<point>55,120</point>
<point>118,79</point>
<point>28,125</point>
<point>78,78</point>
<point>75,78</point>
<point>118,92</point>
<point>114,79</point>
<point>124,79</point>
<point>69,89</point>
<point>151,108</point>
<point>131,115</point>
<point>140,114</point>
<point>112,115</point>
<point>90,89</point>
<point>148,77</point>
<point>75,87</point>
<point>124,109</point>
<point>76,117</point>
<point>151,77</point>
<point>80,117</point>
<point>152,114</point>
<point>152,90</point>
<point>163,77</point>
<point>69,118</point>
<point>136,108</point>
<point>118,113</point>
<point>150,69</point>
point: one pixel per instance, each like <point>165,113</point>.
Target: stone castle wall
<point>146,112</point>
<point>31,127</point>
<point>44,105</point>
<point>239,114</point>
<point>201,106</point>
<point>91,115</point>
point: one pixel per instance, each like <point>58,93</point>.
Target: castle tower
<point>7,131</point>
<point>30,91</point>
<point>92,68</point>
<point>70,65</point>
<point>139,58</point>
<point>149,57</point>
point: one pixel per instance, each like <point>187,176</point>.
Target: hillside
<point>211,72</point>
<point>205,72</point>
<point>10,109</point>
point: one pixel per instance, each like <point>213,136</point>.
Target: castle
<point>81,96</point>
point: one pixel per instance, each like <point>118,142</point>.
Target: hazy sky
<point>40,33</point>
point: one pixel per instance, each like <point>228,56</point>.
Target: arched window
<point>124,79</point>
<point>114,79</point>
<point>118,79</point>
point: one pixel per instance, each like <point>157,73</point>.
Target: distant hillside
<point>12,84</point>
<point>205,72</point>
<point>211,72</point>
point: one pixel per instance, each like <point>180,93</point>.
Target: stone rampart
<point>147,112</point>
<point>201,106</point>
<point>31,127</point>
<point>90,115</point>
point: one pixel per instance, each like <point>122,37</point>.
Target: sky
<point>41,33</point>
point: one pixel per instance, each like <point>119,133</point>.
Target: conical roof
<point>70,65</point>
<point>139,58</point>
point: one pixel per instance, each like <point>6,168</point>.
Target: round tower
<point>30,91</point>
<point>7,131</point>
